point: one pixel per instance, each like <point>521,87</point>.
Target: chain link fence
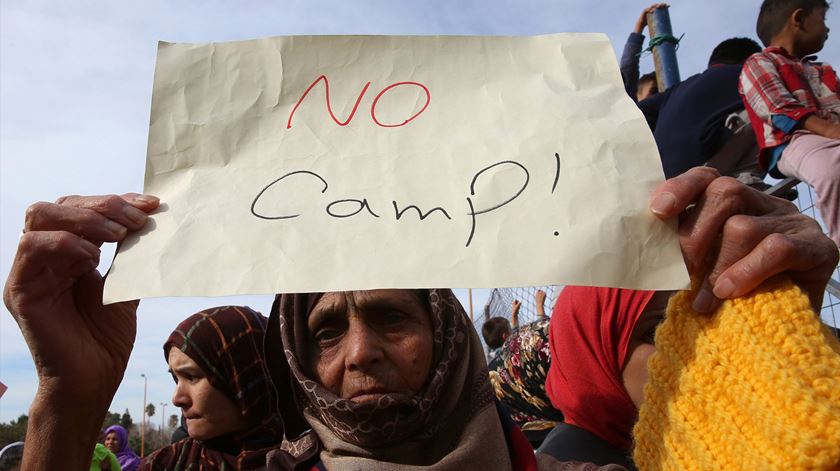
<point>830,312</point>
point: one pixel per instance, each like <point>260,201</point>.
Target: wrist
<point>83,393</point>
<point>64,426</point>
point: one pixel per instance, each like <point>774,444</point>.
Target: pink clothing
<point>815,159</point>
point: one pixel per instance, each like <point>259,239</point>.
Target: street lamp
<point>143,416</point>
<point>162,418</point>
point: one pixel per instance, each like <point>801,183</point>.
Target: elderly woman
<point>393,379</point>
<point>222,387</point>
<point>600,341</point>
<point>116,440</point>
<point>55,293</point>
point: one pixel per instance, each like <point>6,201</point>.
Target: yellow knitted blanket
<point>755,386</point>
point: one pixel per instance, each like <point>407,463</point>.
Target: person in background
<point>495,331</point>
<point>689,119</point>
<point>793,102</point>
<point>222,387</point>
<point>514,315</point>
<point>638,88</point>
<point>518,377</point>
<point>116,440</point>
<point>539,300</point>
<point>180,431</point>
<point>103,459</point>
<point>647,86</point>
<point>600,341</point>
<point>11,456</point>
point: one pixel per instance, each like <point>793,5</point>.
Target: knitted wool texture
<point>754,386</point>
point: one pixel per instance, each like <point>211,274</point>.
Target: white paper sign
<point>320,163</point>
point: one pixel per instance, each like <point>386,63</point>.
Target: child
<point>793,103</point>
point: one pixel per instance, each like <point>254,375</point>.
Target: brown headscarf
<point>450,424</point>
<point>226,343</point>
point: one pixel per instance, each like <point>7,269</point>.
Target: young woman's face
<point>635,373</point>
<point>112,442</point>
<point>209,412</point>
<point>368,343</point>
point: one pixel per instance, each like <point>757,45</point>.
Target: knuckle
<point>740,227</point>
<point>726,189</point>
<point>784,206</point>
<point>780,245</point>
<point>108,204</point>
<point>34,212</point>
<point>710,172</point>
<point>28,240</point>
<point>61,240</point>
<point>65,199</point>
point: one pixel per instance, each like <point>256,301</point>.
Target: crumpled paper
<point>321,163</point>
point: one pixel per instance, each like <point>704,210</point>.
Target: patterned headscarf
<point>450,424</point>
<point>226,343</point>
<point>126,456</point>
<point>518,376</point>
<point>589,337</point>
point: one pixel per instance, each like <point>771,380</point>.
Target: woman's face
<point>112,442</point>
<point>209,412</point>
<point>368,343</point>
<point>635,373</point>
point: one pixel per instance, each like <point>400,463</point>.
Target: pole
<point>665,52</point>
<point>471,308</point>
<point>162,418</point>
<point>143,421</point>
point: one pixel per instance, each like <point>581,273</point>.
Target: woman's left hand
<point>759,236</point>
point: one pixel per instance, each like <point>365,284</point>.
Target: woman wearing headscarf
<point>116,440</point>
<point>222,387</point>
<point>518,377</point>
<point>392,380</point>
<point>600,339</point>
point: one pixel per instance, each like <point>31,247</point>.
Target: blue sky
<point>75,90</point>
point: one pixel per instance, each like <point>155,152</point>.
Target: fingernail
<point>115,228</point>
<point>149,199</point>
<point>724,288</point>
<point>705,301</point>
<point>664,204</point>
<point>134,215</point>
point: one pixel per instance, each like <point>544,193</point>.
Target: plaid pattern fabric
<point>226,343</point>
<point>775,84</point>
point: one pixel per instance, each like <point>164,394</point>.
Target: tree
<point>126,421</point>
<point>14,431</point>
<point>173,421</point>
<point>134,443</point>
<point>150,410</point>
<point>111,418</point>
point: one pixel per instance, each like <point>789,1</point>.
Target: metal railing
<point>830,312</point>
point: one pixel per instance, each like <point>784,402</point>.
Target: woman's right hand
<point>54,292</point>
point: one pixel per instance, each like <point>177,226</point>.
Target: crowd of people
<point>399,379</point>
